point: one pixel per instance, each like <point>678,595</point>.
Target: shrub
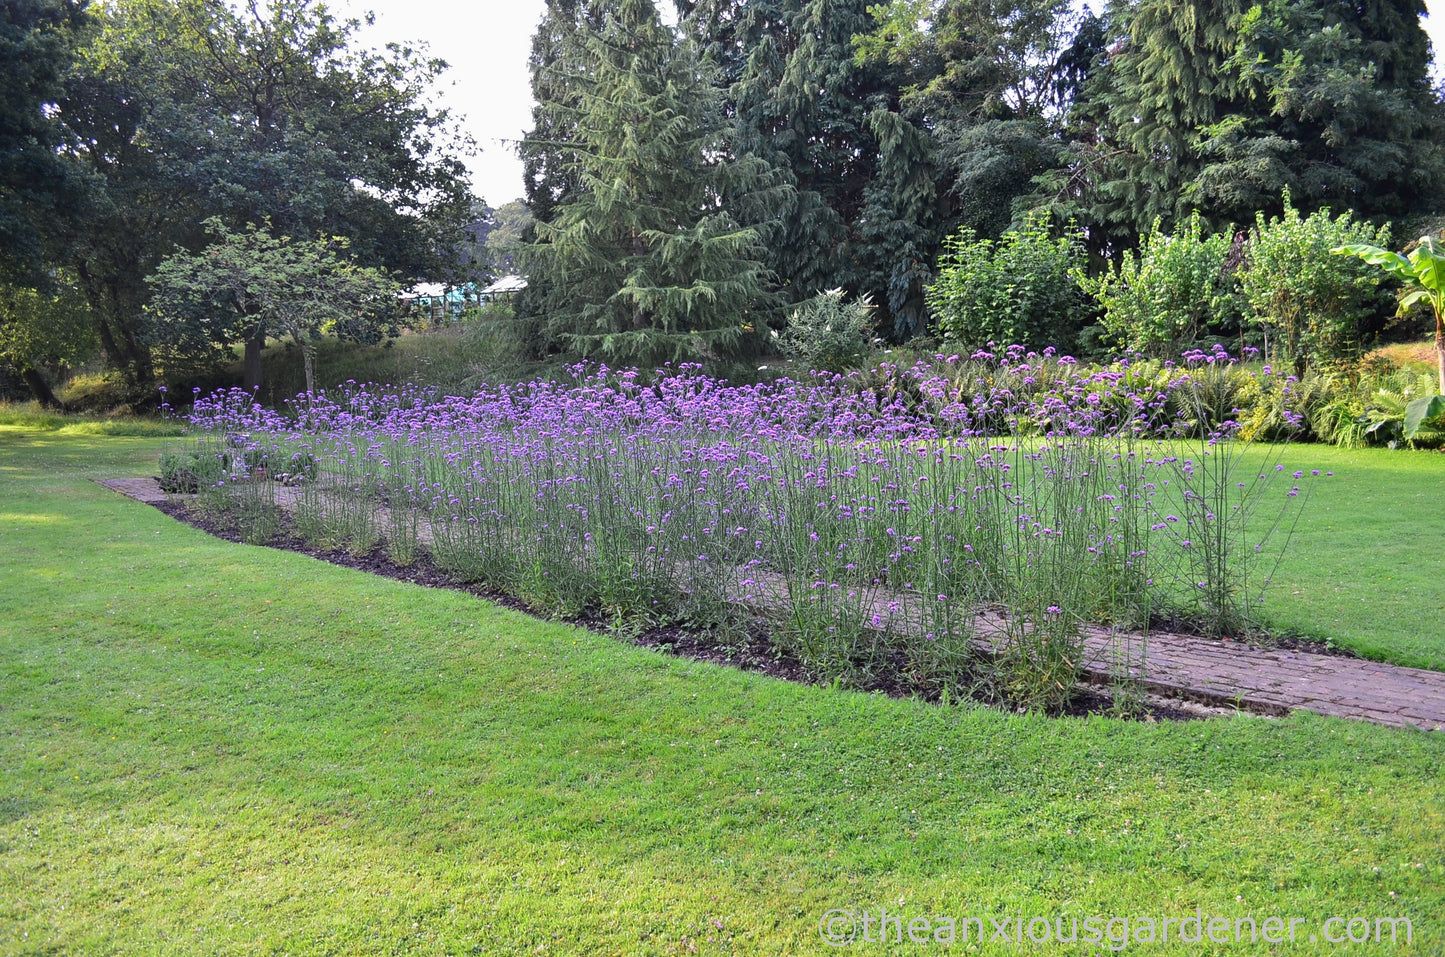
<point>187,472</point>
<point>828,331</point>
<point>1310,304</point>
<point>1019,289</point>
<point>1170,293</point>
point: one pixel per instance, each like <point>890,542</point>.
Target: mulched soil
<point>754,653</point>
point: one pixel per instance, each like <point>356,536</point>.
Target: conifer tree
<point>1221,107</point>
<point>1340,113</point>
<point>646,258</point>
<point>788,73</point>
<point>1165,78</point>
<point>557,65</point>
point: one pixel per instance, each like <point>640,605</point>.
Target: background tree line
<point>693,186</point>
<point>691,189</point>
<point>143,130</point>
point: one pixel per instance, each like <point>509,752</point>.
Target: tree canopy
<point>654,250</point>
<point>252,283</point>
<point>187,109</point>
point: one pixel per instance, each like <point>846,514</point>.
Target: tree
<point>37,39</point>
<point>1174,289</point>
<point>645,259</point>
<point>1166,77</point>
<point>558,67</point>
<point>510,225</point>
<point>1021,289</point>
<point>1221,107</point>
<point>789,75</point>
<point>1314,305</point>
<point>1340,112</point>
<point>190,108</point>
<point>254,283</point>
<point>44,328</point>
<point>981,90</point>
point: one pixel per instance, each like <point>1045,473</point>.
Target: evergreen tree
<point>901,222</point>
<point>1341,113</point>
<point>1221,107</point>
<point>1166,77</point>
<point>789,76</point>
<point>980,86</point>
<point>645,259</point>
<point>558,65</point>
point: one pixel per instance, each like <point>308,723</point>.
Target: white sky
<point>487,43</point>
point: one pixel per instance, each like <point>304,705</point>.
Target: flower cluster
<point>868,516</point>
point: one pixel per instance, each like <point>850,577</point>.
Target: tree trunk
<point>119,342</point>
<point>308,362</point>
<point>1440,349</point>
<point>41,389</point>
<point>252,377</point>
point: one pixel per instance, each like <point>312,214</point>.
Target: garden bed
<point>755,652</point>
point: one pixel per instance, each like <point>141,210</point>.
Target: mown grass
<point>1363,567</point>
<point>211,748</point>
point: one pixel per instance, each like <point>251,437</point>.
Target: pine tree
<point>644,260</point>
<point>1165,78</point>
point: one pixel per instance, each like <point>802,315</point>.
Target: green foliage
<point>1221,107</point>
<point>246,284</point>
<point>1403,407</point>
<point>648,259</point>
<point>510,223</point>
<point>558,57</point>
<point>1339,105</point>
<point>44,329</point>
<point>37,46</point>
<point>1310,305</point>
<point>187,472</point>
<point>899,224</point>
<point>1163,80</point>
<point>1173,291</point>
<point>185,109</point>
<point>788,75</point>
<point>1423,271</point>
<point>1020,289</point>
<point>828,331</point>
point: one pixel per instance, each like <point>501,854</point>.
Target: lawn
<point>211,748</point>
<point>1363,568</point>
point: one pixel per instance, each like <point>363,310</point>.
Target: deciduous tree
<point>255,283</point>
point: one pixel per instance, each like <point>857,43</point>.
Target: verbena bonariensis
<point>868,517</point>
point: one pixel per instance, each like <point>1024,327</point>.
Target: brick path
<point>1261,680</point>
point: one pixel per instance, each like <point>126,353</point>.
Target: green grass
<point>211,748</point>
<point>1363,568</point>
<point>29,416</point>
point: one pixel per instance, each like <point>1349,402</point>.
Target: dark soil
<point>755,652</point>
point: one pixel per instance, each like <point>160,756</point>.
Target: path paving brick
<point>1262,680</point>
